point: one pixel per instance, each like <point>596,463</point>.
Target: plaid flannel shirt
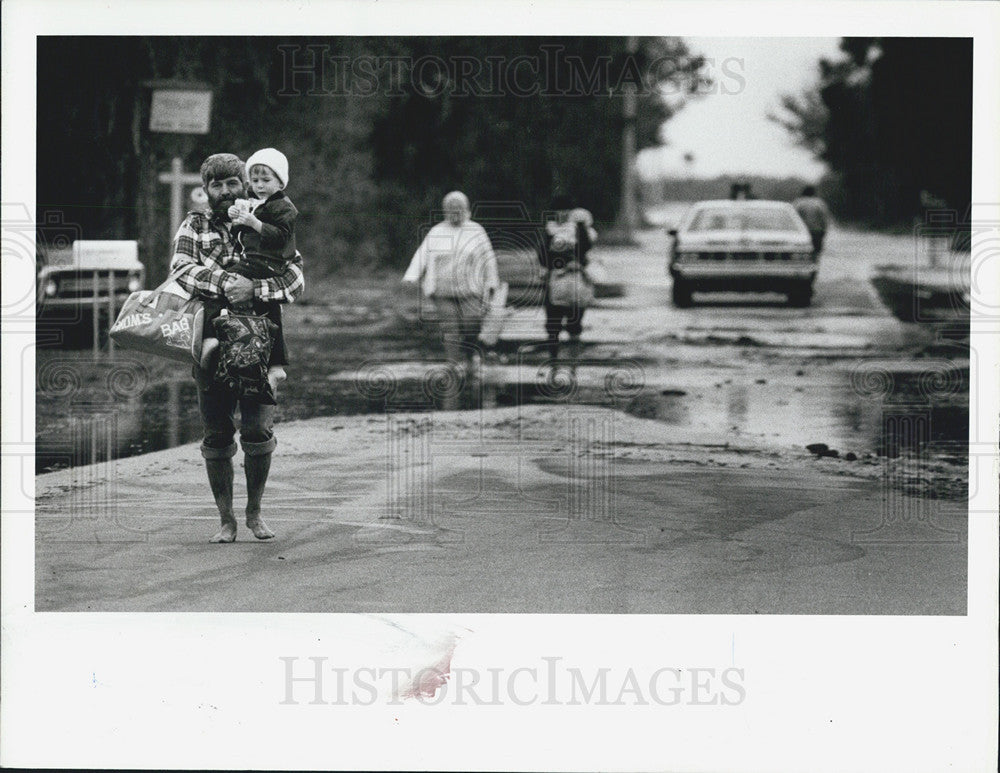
<point>203,248</point>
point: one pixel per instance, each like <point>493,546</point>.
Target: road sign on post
<point>179,107</point>
<point>180,112</point>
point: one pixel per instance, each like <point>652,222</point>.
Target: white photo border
<point>204,690</point>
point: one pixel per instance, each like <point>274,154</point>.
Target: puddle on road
<point>903,411</point>
<point>97,429</point>
<point>833,414</point>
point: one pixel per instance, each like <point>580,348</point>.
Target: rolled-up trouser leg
<point>258,441</point>
<point>217,406</point>
<point>220,480</point>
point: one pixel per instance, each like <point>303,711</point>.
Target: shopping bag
<point>570,288</point>
<point>245,342</point>
<point>496,315</point>
<point>167,322</point>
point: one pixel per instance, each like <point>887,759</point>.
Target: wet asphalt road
<point>750,366</point>
<point>670,477</point>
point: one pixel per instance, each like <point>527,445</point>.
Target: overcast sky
<point>729,133</point>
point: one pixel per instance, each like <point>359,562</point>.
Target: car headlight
<point>51,288</point>
<point>134,284</point>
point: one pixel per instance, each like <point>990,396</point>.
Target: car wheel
<point>800,297</point>
<point>681,294</point>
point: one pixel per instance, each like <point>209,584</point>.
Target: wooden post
<point>111,310</point>
<point>95,313</point>
<point>177,178</point>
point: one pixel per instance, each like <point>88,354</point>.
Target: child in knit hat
<point>264,231</point>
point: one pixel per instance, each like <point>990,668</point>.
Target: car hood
<point>750,240</point>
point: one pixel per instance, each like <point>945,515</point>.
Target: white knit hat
<point>272,158</point>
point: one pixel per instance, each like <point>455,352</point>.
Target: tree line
<point>376,129</point>
<point>892,118</point>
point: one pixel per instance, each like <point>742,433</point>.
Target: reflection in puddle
<point>837,414</point>
<point>79,432</point>
<point>834,412</point>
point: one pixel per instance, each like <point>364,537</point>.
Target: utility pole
<point>626,207</point>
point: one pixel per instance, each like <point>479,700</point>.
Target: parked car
<point>742,246</point>
<point>88,277</point>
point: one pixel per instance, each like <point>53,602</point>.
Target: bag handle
<point>161,289</point>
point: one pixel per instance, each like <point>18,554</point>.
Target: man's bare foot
<point>226,534</point>
<point>256,524</point>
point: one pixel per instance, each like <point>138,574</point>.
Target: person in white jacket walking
<point>457,269</point>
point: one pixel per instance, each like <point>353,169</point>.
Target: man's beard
<point>220,206</point>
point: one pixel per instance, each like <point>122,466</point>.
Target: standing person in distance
<point>457,270</point>
<point>815,214</point>
<point>568,237</point>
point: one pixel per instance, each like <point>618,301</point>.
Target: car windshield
<point>743,219</point>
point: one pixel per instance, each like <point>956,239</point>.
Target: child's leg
<point>209,340</point>
<point>279,356</point>
<point>275,375</point>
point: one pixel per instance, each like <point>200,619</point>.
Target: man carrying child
<point>208,263</point>
<point>264,230</point>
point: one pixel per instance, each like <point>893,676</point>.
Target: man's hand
<point>239,289</point>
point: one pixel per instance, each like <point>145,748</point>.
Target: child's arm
<point>275,223</point>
